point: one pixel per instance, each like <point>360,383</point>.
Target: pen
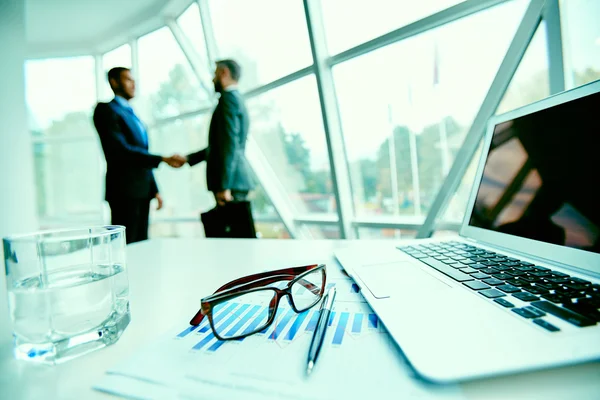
<point>319,335</point>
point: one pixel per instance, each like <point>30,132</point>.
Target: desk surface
<point>167,279</point>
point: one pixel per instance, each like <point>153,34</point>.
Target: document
<point>358,359</point>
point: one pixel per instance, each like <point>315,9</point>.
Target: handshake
<point>175,161</point>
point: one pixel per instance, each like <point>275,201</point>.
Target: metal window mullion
<point>279,82</point>
<point>506,71</point>
<point>191,55</point>
<point>433,21</point>
<point>331,118</point>
<point>212,49</point>
<point>556,68</point>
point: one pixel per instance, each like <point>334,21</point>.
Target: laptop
<point>518,288</point>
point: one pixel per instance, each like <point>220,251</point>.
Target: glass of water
<point>68,291</point>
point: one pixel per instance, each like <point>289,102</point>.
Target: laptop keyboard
<point>501,278</point>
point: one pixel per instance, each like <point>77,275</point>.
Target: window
<point>530,82</point>
<point>191,25</point>
<point>581,41</point>
<point>61,95</point>
<point>320,231</point>
<point>403,123</point>
<point>167,84</point>
<point>286,124</point>
<point>385,233</point>
<point>183,190</point>
<point>267,37</point>
<point>67,157</point>
<point>119,57</point>
<point>351,22</point>
<point>69,181</point>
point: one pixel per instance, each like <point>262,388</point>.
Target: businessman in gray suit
<point>227,171</point>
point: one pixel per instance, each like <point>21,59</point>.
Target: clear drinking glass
<point>68,291</point>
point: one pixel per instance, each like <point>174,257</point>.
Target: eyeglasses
<point>304,289</point>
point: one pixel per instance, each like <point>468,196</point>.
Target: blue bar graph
<point>357,323</point>
<point>296,325</point>
<point>187,331</point>
<point>355,288</point>
<point>216,345</point>
<point>236,327</point>
<point>279,311</point>
<point>225,324</point>
<point>204,341</point>
<point>255,322</point>
<point>312,323</point>
<point>331,318</point>
<point>281,325</point>
<point>217,317</point>
<point>232,317</point>
<point>341,328</point>
<point>373,321</point>
<point>241,322</point>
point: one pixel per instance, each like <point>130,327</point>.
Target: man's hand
<point>175,161</point>
<point>159,199</point>
<point>223,197</point>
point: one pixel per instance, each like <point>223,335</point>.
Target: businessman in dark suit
<point>130,183</point>
<point>227,171</point>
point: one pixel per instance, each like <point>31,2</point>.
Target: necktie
<point>142,129</point>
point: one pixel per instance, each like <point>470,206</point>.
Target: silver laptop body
<point>533,211</point>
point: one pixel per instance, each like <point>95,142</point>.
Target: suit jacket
<point>128,163</point>
<point>226,164</point>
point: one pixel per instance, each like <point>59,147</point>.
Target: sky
<point>398,77</point>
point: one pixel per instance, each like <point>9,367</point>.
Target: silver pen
<point>319,335</point>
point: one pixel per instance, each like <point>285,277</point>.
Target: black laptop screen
<point>541,179</point>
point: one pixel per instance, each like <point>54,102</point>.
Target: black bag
<point>233,220</point>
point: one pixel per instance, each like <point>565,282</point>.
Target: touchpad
<point>397,278</point>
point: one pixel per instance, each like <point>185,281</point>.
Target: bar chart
<point>240,319</point>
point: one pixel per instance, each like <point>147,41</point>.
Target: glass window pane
<point>119,57</point>
<point>271,230</point>
<point>351,22</point>
<point>455,211</point>
<point>267,37</point>
<point>581,41</point>
<point>69,180</point>
<point>426,110</point>
<point>191,25</point>
<point>386,233</point>
<point>183,190</point>
<point>530,82</point>
<point>61,95</point>
<point>167,85</point>
<point>320,231</point>
<point>286,124</point>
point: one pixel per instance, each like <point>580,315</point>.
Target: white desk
<point>167,279</point>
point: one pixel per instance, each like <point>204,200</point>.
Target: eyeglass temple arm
<point>281,274</point>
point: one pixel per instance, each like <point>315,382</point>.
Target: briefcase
<point>233,220</point>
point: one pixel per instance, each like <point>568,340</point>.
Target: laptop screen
<point>541,178</point>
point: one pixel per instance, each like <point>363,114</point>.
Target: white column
<point>17,191</point>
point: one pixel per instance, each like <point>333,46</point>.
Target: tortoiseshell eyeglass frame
<point>258,282</point>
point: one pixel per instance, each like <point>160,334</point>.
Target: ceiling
<point>70,27</point>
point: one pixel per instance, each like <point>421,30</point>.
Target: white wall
<point>17,191</point>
